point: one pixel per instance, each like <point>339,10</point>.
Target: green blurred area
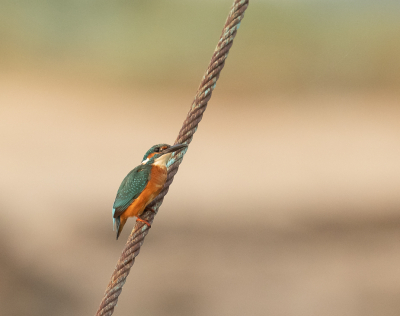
<point>283,44</point>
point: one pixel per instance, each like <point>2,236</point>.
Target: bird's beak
<point>173,148</point>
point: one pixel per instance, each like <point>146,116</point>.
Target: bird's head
<point>160,154</point>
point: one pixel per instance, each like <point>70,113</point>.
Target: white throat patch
<point>162,161</point>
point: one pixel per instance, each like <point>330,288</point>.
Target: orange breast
<point>158,176</point>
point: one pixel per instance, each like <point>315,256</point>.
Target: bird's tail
<point>116,223</point>
<point>114,219</point>
<point>119,224</point>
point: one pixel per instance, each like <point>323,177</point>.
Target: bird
<point>142,184</point>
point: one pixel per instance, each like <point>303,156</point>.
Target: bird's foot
<point>143,221</point>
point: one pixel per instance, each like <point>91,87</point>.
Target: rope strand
<point>185,136</point>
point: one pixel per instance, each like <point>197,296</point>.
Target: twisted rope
<point>189,127</point>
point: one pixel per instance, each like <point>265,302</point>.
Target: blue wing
<point>130,188</point>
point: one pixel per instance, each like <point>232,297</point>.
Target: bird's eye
<point>157,149</point>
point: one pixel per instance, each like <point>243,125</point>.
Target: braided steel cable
<point>185,136</point>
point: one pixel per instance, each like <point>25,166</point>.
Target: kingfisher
<point>142,185</point>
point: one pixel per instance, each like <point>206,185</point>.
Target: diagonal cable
<point>185,136</point>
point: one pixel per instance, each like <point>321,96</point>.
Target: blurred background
<point>287,202</point>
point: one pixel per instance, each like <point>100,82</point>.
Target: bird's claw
<point>143,221</point>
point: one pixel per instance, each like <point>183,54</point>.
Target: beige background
<point>287,202</point>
